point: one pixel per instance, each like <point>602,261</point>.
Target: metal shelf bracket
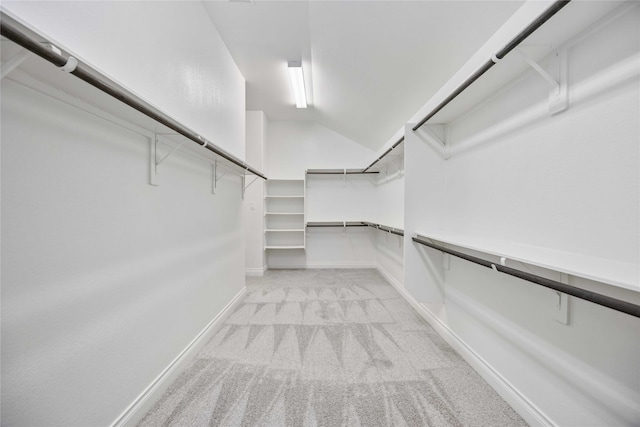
<point>14,62</point>
<point>244,187</point>
<point>154,163</point>
<point>215,176</point>
<point>559,93</point>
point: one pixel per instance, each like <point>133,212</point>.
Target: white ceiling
<point>369,65</point>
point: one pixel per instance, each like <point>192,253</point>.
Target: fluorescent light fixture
<point>297,83</point>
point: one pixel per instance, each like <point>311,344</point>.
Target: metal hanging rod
<point>396,231</point>
<point>537,23</point>
<point>336,224</point>
<point>354,171</point>
<point>21,35</point>
<point>385,153</point>
<point>596,298</point>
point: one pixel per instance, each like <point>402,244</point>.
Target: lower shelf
<point>284,247</point>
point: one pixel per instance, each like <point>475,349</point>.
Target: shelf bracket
<point>249,185</point>
<point>559,93</point>
<point>154,163</point>
<point>437,136</point>
<point>14,62</point>
<point>344,179</point>
<point>561,301</point>
<point>216,177</point>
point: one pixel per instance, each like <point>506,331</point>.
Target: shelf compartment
<point>285,205</point>
<point>293,188</point>
<point>285,238</point>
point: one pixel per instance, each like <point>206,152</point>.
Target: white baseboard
<point>319,266</point>
<point>394,282</point>
<point>256,272</point>
<point>523,406</point>
<point>141,405</point>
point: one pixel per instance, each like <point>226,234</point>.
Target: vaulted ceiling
<point>369,65</point>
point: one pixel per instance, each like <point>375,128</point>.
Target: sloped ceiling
<point>369,65</point>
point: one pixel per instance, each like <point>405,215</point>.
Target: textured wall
<point>106,279</point>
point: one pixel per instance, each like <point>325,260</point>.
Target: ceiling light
<point>297,83</point>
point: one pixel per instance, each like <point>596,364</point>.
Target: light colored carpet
<point>328,348</point>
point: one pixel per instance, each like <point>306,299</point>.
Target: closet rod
<point>21,35</point>
<point>603,300</point>
<point>354,171</point>
<point>336,224</point>
<point>396,231</point>
<point>385,153</point>
<point>537,23</point>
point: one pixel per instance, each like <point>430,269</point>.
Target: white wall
<point>106,279</point>
<point>569,182</point>
<point>168,53</point>
<point>296,146</point>
<point>253,204</point>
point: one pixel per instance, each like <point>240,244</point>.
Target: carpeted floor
<point>328,348</point>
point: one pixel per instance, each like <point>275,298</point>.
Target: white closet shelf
<point>612,272</point>
<point>283,230</point>
<point>284,197</point>
<point>284,247</point>
<point>284,213</point>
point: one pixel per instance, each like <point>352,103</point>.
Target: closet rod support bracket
<point>436,135</point>
<point>14,62</point>
<point>215,176</point>
<point>154,163</point>
<point>559,93</point>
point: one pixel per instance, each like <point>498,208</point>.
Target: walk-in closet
<point>320,213</point>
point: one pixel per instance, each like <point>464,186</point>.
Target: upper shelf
<point>568,25</point>
<point>89,86</point>
<point>611,272</point>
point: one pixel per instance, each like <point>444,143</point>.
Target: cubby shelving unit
<point>285,214</point>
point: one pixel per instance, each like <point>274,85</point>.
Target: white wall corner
<point>523,406</point>
<point>143,403</point>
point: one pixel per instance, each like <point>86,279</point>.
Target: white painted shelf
<point>284,214</point>
<point>283,247</point>
<point>612,272</point>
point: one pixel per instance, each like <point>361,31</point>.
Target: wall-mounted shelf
<point>285,214</point>
<point>325,224</point>
<point>611,272</point>
<point>338,172</point>
<point>385,158</point>
<point>338,224</point>
<point>110,97</point>
<point>284,247</point>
